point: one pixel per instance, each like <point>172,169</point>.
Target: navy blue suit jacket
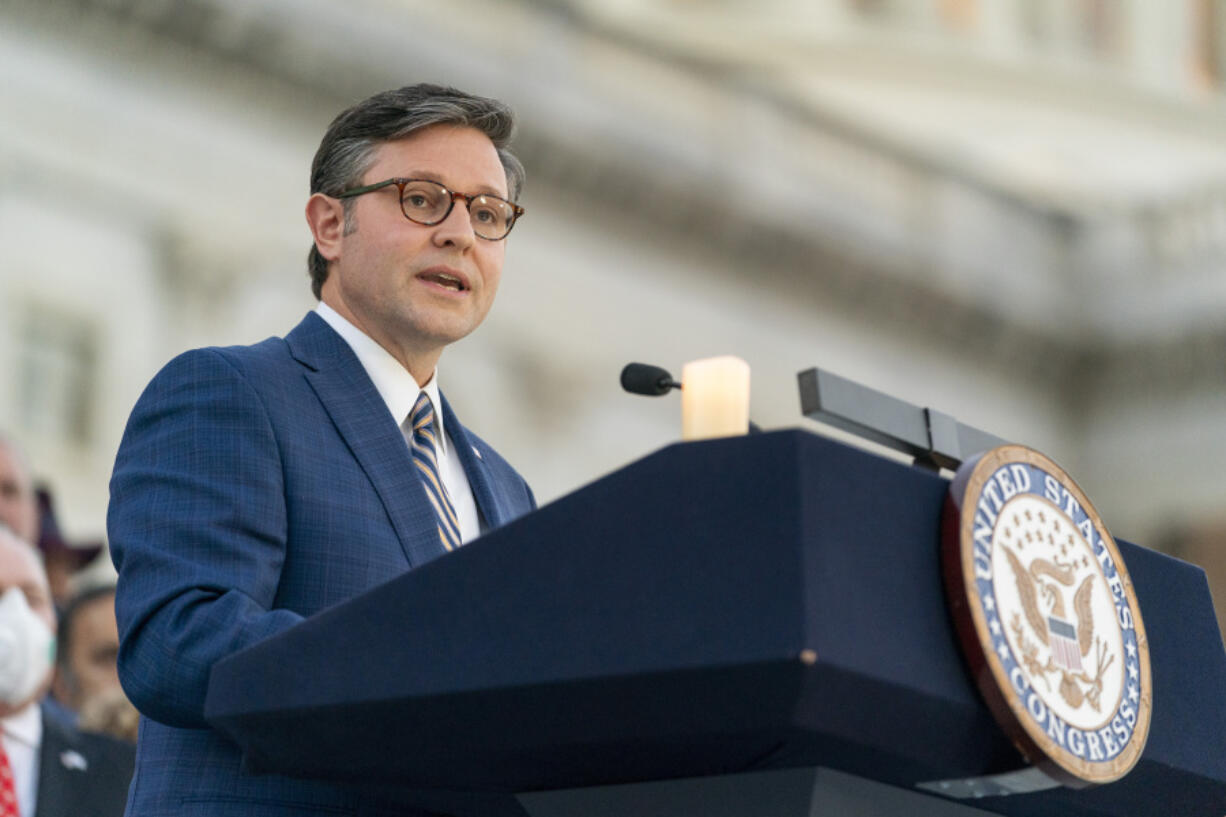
<point>80,774</point>
<point>255,486</point>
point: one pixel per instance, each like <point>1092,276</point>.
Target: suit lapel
<point>56,793</point>
<point>372,435</point>
<point>475,469</point>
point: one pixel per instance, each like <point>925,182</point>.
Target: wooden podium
<point>748,626</point>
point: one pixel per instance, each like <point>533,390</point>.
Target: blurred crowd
<point>68,730</point>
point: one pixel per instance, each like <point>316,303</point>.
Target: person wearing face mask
<point>47,768</point>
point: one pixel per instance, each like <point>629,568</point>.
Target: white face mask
<point>27,648</point>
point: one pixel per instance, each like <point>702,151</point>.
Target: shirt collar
<point>392,380</point>
<point>25,726</point>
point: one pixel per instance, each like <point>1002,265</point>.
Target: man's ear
<point>326,218</point>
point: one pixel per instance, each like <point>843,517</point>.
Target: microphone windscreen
<point>643,378</point>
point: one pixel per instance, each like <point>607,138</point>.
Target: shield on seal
<point>1064,648</point>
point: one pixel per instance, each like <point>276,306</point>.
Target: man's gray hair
<point>348,147</point>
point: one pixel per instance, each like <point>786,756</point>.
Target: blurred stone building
<point>1010,210</point>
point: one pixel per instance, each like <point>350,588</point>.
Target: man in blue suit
<point>257,485</point>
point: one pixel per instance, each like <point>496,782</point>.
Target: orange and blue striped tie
<point>425,457</point>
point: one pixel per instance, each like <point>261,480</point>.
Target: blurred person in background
<point>61,560</point>
<point>47,768</point>
<point>86,679</point>
<point>29,511</point>
<point>18,502</point>
<point>109,712</point>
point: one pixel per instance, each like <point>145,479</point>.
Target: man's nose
<point>457,228</point>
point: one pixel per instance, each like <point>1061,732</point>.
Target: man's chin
<point>446,330</point>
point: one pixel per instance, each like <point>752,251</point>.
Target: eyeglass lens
<point>428,203</point>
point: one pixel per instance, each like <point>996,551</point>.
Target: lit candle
<point>714,398</point>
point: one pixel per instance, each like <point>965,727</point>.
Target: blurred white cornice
<point>1018,204</point>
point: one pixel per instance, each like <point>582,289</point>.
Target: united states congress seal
<point>1046,616</point>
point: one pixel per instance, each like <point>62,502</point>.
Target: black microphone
<point>643,378</point>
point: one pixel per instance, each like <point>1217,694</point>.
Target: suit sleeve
<point>197,528</point>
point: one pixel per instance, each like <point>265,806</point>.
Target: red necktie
<point>8,789</point>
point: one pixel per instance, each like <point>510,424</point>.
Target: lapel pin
<point>478,453</point>
<point>73,759</point>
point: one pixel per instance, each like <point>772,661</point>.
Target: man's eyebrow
<point>426,175</point>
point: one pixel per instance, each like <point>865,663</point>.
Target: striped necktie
<point>425,457</point>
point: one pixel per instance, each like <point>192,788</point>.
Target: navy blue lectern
<point>724,627</point>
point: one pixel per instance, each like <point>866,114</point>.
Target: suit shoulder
<point>245,359</point>
<point>221,369</point>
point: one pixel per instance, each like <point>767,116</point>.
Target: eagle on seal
<point>1043,585</point>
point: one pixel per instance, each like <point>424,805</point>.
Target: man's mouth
<point>446,280</point>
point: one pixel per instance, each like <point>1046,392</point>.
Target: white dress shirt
<point>23,735</point>
<point>399,391</point>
